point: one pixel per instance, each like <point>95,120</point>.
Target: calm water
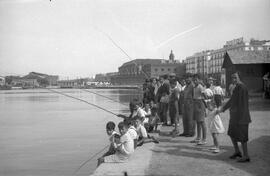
<point>44,133</point>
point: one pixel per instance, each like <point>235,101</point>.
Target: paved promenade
<point>177,156</point>
<point>137,165</point>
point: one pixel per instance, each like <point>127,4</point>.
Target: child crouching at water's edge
<point>124,147</point>
<point>153,121</point>
<point>110,129</point>
<point>216,126</point>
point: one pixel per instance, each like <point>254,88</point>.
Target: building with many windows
<point>136,71</point>
<point>106,77</point>
<point>198,63</point>
<point>209,63</point>
<point>25,83</point>
<point>50,80</point>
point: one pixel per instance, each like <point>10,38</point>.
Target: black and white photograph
<point>134,87</point>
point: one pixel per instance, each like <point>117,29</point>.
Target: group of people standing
<point>166,99</point>
<point>195,101</point>
<point>189,98</point>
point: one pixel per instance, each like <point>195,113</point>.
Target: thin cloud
<point>175,36</point>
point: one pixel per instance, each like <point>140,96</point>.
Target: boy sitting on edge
<point>152,124</point>
<point>143,137</point>
<point>123,149</point>
<point>110,129</point>
<point>130,123</point>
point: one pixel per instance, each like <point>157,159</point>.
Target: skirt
<point>238,132</point>
<point>216,125</point>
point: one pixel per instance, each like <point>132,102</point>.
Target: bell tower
<point>171,57</point>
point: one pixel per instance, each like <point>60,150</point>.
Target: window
<point>156,69</point>
<point>162,69</point>
<point>169,69</point>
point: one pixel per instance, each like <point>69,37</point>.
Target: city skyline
<point>68,38</point>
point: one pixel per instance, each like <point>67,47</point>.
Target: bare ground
<point>177,156</point>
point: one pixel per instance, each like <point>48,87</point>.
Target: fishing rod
<point>115,44</point>
<point>90,159</point>
<point>102,96</point>
<point>92,104</point>
<point>61,93</point>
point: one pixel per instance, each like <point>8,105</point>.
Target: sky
<point>78,38</point>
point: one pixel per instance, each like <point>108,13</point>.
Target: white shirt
<point>179,86</point>
<point>208,92</point>
<point>127,144</point>
<point>156,89</point>
<point>140,112</point>
<point>183,88</point>
<point>111,136</point>
<point>141,131</point>
<point>147,112</point>
<point>132,132</point>
<point>218,91</point>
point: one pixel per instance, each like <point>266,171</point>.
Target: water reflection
<point>33,98</point>
<point>42,132</point>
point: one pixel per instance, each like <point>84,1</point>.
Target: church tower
<point>171,57</point>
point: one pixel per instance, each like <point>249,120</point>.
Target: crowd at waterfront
<point>168,98</point>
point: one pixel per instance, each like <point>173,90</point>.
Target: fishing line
<point>91,105</point>
<point>99,107</point>
<point>103,96</point>
<point>115,44</point>
<point>90,159</point>
<point>100,95</point>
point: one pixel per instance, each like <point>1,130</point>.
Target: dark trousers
<point>163,112</point>
<point>188,121</point>
<point>172,113</point>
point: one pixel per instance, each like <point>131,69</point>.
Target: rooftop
<point>143,61</point>
<point>245,57</point>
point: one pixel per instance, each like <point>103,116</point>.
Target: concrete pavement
<point>177,156</point>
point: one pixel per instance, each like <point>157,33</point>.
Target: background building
<point>43,79</point>
<point>252,65</point>
<point>25,83</point>
<point>198,63</point>
<point>136,71</point>
<point>209,63</point>
<point>2,81</point>
<point>106,77</point>
<point>32,80</point>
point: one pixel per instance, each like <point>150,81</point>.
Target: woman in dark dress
<point>239,118</point>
